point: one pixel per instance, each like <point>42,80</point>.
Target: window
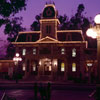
<point>24,68</point>
<point>69,38</point>
<point>74,52</point>
<point>34,51</point>
<point>62,51</point>
<point>34,67</point>
<point>73,67</point>
<point>28,38</point>
<point>48,29</point>
<point>24,52</point>
<point>62,67</point>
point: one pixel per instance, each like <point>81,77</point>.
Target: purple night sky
<point>68,7</point>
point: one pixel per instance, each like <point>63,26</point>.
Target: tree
<point>12,28</point>
<point>78,21</point>
<point>11,7</point>
<point>64,22</point>
<point>8,9</point>
<point>35,26</point>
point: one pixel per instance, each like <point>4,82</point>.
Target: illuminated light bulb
<point>91,33</point>
<point>17,54</point>
<point>97,19</point>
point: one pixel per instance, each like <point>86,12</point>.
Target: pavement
<point>60,90</point>
<point>23,84</point>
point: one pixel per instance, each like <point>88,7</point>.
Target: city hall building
<point>52,54</point>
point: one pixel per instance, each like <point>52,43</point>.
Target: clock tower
<point>49,22</point>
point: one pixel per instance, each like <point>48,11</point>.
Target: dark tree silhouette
<point>64,22</point>
<point>35,26</point>
<point>11,7</point>
<point>8,8</point>
<point>12,28</point>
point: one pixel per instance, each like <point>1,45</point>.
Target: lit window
<point>74,52</point>
<point>73,67</point>
<point>49,68</point>
<point>24,52</point>
<point>24,68</point>
<point>62,67</point>
<point>34,51</point>
<point>62,51</point>
<point>34,67</point>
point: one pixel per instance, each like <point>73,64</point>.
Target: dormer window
<point>28,38</point>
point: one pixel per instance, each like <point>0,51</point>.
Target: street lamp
<point>94,32</point>
<point>16,59</point>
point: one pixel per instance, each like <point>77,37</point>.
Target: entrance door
<point>47,66</point>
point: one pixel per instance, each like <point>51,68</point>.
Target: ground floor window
<point>23,68</point>
<point>62,67</point>
<point>73,67</point>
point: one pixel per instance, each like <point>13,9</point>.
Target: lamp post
<point>16,59</point>
<point>94,32</point>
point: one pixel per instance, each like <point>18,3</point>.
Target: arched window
<point>62,67</point>
<point>73,67</point>
<point>73,52</point>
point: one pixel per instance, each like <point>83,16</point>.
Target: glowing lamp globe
<point>91,33</point>
<point>97,19</point>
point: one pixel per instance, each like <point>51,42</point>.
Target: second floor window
<point>62,51</point>
<point>73,52</point>
<point>34,51</point>
<point>24,52</point>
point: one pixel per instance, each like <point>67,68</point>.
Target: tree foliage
<point>12,28</point>
<point>8,8</point>
<point>11,7</point>
<point>35,26</point>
